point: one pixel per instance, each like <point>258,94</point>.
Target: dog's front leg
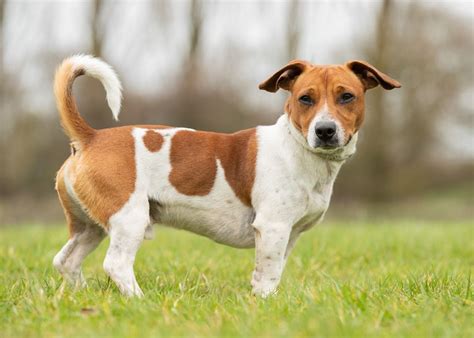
<point>271,241</point>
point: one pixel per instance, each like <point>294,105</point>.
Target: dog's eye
<point>346,98</point>
<point>306,100</point>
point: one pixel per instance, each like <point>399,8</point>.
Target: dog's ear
<point>285,77</point>
<point>370,76</point>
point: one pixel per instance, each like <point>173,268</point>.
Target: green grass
<point>363,280</point>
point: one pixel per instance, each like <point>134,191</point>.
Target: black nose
<point>325,131</point>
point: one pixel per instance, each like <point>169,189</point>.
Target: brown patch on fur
<point>153,141</point>
<point>103,173</point>
<point>194,155</point>
<point>193,162</point>
<point>239,158</point>
<point>325,85</point>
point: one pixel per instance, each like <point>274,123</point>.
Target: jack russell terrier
<point>260,187</point>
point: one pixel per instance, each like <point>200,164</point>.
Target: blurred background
<point>198,64</point>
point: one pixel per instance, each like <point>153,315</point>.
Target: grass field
<point>364,280</point>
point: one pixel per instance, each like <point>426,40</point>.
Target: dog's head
<point>327,102</point>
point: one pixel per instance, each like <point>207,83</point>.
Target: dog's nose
<point>326,130</point>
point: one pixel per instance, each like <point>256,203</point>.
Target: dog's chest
<point>302,181</point>
<point>318,203</point>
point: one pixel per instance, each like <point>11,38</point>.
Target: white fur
<point>68,261</point>
<point>127,230</point>
<point>292,190</point>
<point>100,70</point>
<point>340,154</point>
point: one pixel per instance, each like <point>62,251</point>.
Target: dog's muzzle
<point>326,134</point>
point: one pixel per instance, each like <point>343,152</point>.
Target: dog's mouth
<point>331,145</point>
<point>331,153</point>
<point>335,152</point>
<point>327,147</point>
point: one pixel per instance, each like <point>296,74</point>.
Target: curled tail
<point>74,125</point>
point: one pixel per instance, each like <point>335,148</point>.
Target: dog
<point>260,187</point>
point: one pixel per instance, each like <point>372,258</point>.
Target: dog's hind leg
<point>127,232</point>
<point>84,234</point>
<point>68,261</point>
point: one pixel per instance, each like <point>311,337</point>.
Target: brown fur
<point>325,84</point>
<point>75,225</point>
<point>103,173</point>
<point>153,141</point>
<point>74,125</point>
<point>193,159</point>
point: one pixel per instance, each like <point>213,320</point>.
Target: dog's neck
<point>339,154</point>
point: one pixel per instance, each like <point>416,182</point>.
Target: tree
<point>97,33</point>
<point>2,73</point>
<point>379,168</point>
<point>91,96</point>
<point>293,29</point>
<point>405,140</point>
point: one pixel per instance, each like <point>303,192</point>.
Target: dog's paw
<point>263,289</point>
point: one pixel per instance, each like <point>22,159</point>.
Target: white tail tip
<point>98,69</point>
